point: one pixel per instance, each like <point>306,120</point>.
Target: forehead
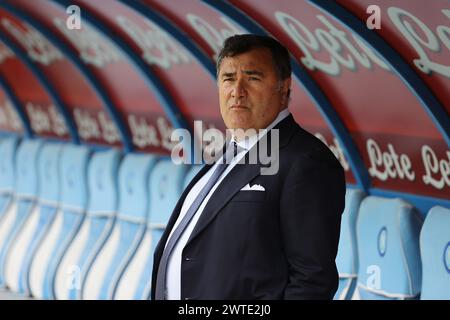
<point>256,59</point>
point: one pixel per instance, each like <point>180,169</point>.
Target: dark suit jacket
<point>277,244</point>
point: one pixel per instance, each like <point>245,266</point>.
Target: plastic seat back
<point>39,221</point>
<point>96,228</point>
<point>388,249</point>
<point>347,256</point>
<point>129,229</point>
<point>435,253</point>
<point>68,219</point>
<point>165,185</point>
<point>8,148</point>
<point>26,190</point>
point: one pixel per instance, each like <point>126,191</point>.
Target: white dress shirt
<point>173,274</point>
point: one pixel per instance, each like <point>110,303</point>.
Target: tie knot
<point>231,152</point>
<point>235,148</point>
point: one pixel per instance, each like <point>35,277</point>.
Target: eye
<point>227,79</point>
<point>253,78</point>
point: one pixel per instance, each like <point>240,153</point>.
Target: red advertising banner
<point>209,28</point>
<point>9,119</point>
<point>418,31</point>
<point>400,144</point>
<point>135,104</point>
<point>166,58</point>
<point>45,120</point>
<point>396,137</point>
<point>204,25</point>
<point>72,87</point>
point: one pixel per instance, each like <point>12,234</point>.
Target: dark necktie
<point>161,276</point>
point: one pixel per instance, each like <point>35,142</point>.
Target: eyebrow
<point>254,73</point>
<point>247,72</point>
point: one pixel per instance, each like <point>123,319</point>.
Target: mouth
<point>237,107</point>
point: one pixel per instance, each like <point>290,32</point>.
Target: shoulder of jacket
<point>306,147</point>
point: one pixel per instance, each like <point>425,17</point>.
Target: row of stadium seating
<point>78,224</point>
<point>388,251</point>
<point>75,224</point>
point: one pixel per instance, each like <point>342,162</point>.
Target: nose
<point>238,90</point>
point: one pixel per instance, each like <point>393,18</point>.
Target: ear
<point>285,89</point>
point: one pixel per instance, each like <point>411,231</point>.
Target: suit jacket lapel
<point>176,211</point>
<point>237,178</point>
<point>230,185</point>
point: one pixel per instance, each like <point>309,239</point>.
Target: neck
<point>240,134</point>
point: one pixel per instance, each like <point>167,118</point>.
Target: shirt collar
<point>250,141</point>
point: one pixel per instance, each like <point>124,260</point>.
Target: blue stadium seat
<point>69,217</point>
<point>435,252</point>
<point>388,249</point>
<point>100,218</point>
<point>347,256</point>
<point>8,147</point>
<point>166,184</point>
<point>25,199</point>
<point>37,224</point>
<point>128,231</point>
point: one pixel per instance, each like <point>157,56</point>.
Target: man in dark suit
<point>237,233</point>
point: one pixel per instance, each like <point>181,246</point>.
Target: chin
<point>238,125</point>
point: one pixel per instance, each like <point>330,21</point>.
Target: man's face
<point>250,92</point>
